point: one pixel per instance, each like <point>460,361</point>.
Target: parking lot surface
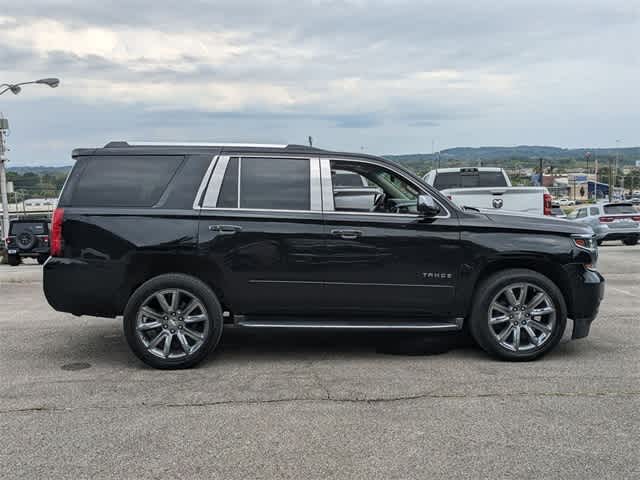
<point>75,403</point>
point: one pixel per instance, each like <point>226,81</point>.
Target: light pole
<point>14,88</point>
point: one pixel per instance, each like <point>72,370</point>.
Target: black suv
<point>27,238</point>
<point>183,239</point>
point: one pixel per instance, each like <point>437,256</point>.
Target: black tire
<point>193,286</point>
<point>492,286</point>
<point>13,260</point>
<point>630,241</point>
<point>42,259</point>
<point>600,242</point>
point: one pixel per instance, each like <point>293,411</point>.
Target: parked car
<point>610,221</point>
<point>352,191</point>
<point>489,188</point>
<point>556,211</point>
<point>565,202</point>
<point>185,240</point>
<point>28,238</point>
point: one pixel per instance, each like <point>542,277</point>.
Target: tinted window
<point>228,197</point>
<point>37,228</point>
<point>619,209</point>
<point>275,183</point>
<point>124,181</point>
<point>346,179</point>
<point>593,211</point>
<point>469,179</point>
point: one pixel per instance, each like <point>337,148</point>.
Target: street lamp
<point>15,88</point>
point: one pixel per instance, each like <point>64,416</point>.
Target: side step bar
<point>350,324</point>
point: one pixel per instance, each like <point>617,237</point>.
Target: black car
<point>184,239</point>
<point>28,238</point>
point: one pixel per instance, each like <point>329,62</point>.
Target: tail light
<point>636,218</point>
<point>547,203</point>
<point>56,232</point>
<point>606,219</point>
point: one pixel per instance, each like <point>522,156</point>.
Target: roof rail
<point>193,144</point>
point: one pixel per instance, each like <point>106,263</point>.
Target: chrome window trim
<point>327,185</point>
<point>327,190</point>
<point>204,182</point>
<point>239,178</point>
<point>258,210</point>
<point>215,184</point>
<point>315,191</point>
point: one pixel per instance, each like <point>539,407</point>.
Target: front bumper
<point>588,288</point>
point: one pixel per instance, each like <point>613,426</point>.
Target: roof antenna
<point>310,141</point>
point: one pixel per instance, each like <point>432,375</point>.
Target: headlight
<point>585,243</point>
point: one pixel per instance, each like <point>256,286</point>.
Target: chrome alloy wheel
<point>172,323</point>
<point>522,317</point>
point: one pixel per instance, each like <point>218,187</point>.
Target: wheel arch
<point>549,269</point>
<point>142,268</point>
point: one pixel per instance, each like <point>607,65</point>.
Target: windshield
<point>618,209</point>
<point>469,179</point>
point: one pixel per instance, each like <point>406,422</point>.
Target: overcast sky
<point>383,76</point>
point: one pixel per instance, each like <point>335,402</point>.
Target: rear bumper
<point>83,287</point>
<point>603,232</point>
<point>34,252</point>
<point>588,288</point>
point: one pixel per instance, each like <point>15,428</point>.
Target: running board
<point>350,324</point>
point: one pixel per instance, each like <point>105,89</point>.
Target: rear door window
<point>275,184</point>
<point>264,184</point>
<point>619,209</point>
<point>124,181</point>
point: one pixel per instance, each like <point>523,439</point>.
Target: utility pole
<point>4,127</point>
<point>14,88</point>
<point>610,180</point>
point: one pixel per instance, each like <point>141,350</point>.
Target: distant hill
<point>41,170</point>
<point>520,156</point>
<point>507,157</point>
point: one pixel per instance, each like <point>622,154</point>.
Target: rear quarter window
<point>122,181</point>
<point>469,179</point>
<point>619,209</point>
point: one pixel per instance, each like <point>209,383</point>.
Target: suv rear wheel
<point>173,321</point>
<point>630,241</point>
<point>518,315</point>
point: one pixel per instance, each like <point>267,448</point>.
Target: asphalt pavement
<point>75,403</point>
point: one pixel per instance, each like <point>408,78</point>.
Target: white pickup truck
<point>489,188</point>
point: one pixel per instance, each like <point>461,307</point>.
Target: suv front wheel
<point>518,315</point>
<point>173,321</point>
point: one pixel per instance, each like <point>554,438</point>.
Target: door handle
<point>225,229</point>
<point>347,234</point>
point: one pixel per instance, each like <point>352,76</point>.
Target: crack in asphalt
<point>328,398</point>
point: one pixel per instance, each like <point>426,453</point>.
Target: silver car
<point>610,221</point>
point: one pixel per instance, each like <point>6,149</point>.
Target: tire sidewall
<point>480,329</point>
<point>184,282</point>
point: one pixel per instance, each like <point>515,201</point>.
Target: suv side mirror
<point>427,206</point>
